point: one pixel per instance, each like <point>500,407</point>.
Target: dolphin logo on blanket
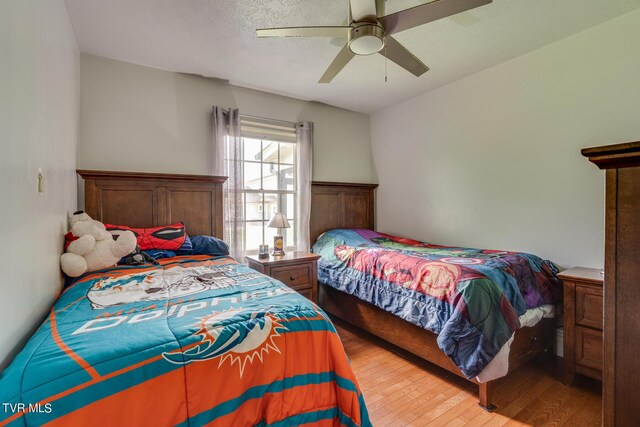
<point>236,335</point>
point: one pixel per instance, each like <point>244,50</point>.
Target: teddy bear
<point>91,247</point>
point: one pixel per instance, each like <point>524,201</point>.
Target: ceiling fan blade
<point>337,41</point>
<point>419,15</point>
<point>337,31</point>
<point>362,8</point>
<point>338,64</point>
<point>401,56</point>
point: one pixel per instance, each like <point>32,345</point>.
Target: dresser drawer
<point>589,306</point>
<point>294,276</point>
<point>589,350</point>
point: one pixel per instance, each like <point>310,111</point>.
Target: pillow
<point>186,248</point>
<point>209,245</point>
<point>168,237</point>
<point>160,253</point>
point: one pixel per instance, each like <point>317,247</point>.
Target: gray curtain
<point>304,134</point>
<point>227,161</point>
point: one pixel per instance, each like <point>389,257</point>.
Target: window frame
<point>281,194</point>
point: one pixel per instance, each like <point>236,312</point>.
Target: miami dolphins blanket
<point>471,298</point>
<point>194,341</point>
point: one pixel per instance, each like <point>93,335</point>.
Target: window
<point>269,174</point>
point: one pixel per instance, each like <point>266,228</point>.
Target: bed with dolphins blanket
<point>191,341</point>
<point>473,299</point>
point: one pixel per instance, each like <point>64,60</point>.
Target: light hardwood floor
<point>402,390</point>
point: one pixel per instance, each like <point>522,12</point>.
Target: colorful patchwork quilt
<point>194,341</point>
<point>471,298</point>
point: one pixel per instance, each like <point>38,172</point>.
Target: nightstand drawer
<point>589,306</point>
<point>589,348</point>
<point>307,293</point>
<point>582,322</point>
<point>297,270</point>
<point>294,275</point>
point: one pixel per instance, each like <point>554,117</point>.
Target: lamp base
<point>278,246</point>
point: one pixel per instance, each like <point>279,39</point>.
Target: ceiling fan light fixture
<point>366,39</point>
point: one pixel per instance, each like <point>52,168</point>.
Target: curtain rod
<point>250,116</point>
<point>284,122</point>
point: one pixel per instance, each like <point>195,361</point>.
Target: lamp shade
<point>278,220</point>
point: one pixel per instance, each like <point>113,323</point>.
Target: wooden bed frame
<point>152,199</point>
<point>346,205</point>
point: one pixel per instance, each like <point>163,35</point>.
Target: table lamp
<point>279,221</point>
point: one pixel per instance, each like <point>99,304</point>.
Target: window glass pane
<point>253,207</point>
<point>270,205</point>
<point>286,205</point>
<point>287,152</point>
<point>287,178</point>
<point>252,175</point>
<point>270,151</point>
<point>289,236</point>
<point>270,176</point>
<point>254,235</point>
<point>269,233</point>
<point>252,149</point>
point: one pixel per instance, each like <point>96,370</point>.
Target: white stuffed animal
<point>94,247</point>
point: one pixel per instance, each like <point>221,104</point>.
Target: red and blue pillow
<point>172,240</point>
<point>169,237</point>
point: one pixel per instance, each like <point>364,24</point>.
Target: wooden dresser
<point>297,270</point>
<point>582,323</point>
<point>621,374</point>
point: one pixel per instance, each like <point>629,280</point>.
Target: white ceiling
<point>216,38</point>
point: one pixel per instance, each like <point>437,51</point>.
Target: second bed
<point>477,313</point>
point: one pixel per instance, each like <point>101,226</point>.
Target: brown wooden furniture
<point>341,205</point>
<point>152,199</point>
<point>345,205</point>
<point>582,323</point>
<point>297,270</point>
<point>621,375</point>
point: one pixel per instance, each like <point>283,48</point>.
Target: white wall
<point>494,161</point>
<point>39,87</point>
<point>136,118</point>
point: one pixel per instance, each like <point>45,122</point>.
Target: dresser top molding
<point>614,156</point>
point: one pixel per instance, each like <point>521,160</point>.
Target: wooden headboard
<point>341,205</point>
<point>141,199</point>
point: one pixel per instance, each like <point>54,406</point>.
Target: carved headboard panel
<point>341,205</point>
<point>151,199</point>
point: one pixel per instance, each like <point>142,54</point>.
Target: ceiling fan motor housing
<point>366,39</point>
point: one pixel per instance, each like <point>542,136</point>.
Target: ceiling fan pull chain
<point>385,60</point>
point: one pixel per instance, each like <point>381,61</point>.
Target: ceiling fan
<point>370,31</point>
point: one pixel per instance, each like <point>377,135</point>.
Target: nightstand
<point>297,270</point>
<point>583,322</point>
